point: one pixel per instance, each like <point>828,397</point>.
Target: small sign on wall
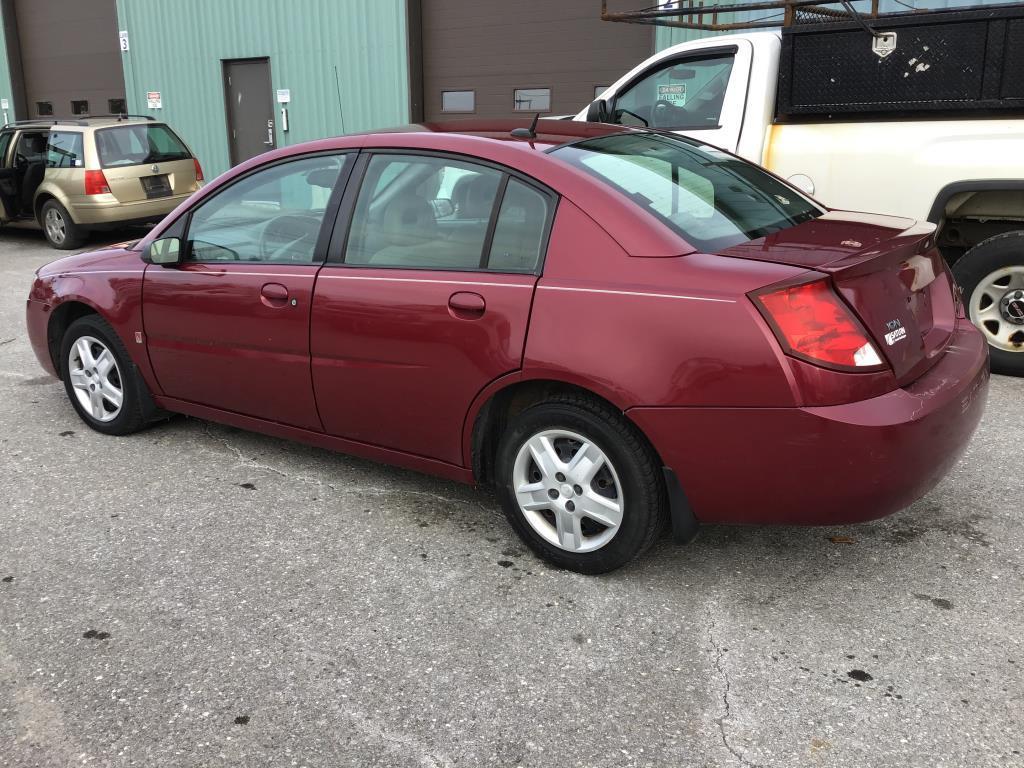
<point>123,34</point>
<point>153,100</point>
<point>5,104</point>
<point>284,95</point>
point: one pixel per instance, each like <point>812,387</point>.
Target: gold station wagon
<point>73,176</point>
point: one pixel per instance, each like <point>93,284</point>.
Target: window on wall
<point>117,106</point>
<point>44,108</point>
<point>458,101</point>
<point>80,107</point>
<point>532,100</point>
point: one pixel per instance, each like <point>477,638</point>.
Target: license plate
<point>157,186</point>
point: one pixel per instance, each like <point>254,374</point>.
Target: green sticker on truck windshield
<point>674,94</point>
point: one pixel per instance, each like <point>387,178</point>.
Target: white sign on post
<point>284,95</point>
<point>153,100</point>
<point>123,34</point>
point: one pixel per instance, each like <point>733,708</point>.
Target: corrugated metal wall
<point>345,62</point>
<point>6,89</point>
<point>666,36</point>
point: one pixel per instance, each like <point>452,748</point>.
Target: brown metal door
<point>250,108</point>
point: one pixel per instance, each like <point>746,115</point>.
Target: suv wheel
<point>580,486</point>
<point>58,227</point>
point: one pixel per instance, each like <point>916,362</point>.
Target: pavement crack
<point>726,690</point>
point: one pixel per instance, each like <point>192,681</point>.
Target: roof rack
<point>694,14</point>
<point>82,121</point>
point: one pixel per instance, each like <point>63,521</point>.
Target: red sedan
<point>618,329</point>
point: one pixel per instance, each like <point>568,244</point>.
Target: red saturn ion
<point>619,329</point>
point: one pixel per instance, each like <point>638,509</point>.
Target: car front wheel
<point>580,485</point>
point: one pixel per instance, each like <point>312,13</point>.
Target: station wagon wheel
<point>59,228</point>
<point>580,484</point>
<point>100,380</point>
<point>991,275</point>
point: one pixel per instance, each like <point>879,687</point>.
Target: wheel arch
<point>45,193</point>
<point>61,318</point>
<point>983,212</point>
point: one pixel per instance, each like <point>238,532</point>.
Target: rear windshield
<point>138,144</point>
<point>710,198</point>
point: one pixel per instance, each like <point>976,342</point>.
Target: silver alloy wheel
<point>568,490</point>
<point>95,378</point>
<point>997,308</point>
<point>56,228</point>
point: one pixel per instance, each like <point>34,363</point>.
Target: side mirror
<point>597,112</point>
<point>166,252</point>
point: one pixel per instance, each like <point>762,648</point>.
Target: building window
<point>532,100</point>
<point>80,107</point>
<point>44,108</point>
<point>458,101</point>
<point>598,90</point>
<point>117,106</point>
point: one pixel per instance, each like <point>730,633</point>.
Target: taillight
<point>96,183</point>
<point>812,323</point>
<point>199,170</point>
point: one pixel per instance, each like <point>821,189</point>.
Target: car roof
<point>81,122</point>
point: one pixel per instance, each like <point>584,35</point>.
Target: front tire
<point>992,277</point>
<point>580,485</point>
<point>100,379</point>
<point>60,230</point>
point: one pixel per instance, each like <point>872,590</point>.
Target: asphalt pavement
<point>195,595</point>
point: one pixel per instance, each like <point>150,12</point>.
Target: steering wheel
<point>663,113</point>
<point>291,237</point>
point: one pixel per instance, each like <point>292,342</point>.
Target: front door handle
<point>466,305</point>
<point>274,295</point>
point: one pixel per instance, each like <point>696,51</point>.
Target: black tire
<point>135,412</point>
<point>74,234</point>
<point>645,511</point>
<point>1005,250</point>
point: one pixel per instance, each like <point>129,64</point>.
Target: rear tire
<point>100,379</point>
<point>61,232</point>
<point>563,505</point>
<point>991,275</point>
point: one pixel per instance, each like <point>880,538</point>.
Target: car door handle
<point>274,295</point>
<point>466,305</point>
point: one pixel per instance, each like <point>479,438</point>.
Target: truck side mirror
<point>167,252</point>
<point>597,112</point>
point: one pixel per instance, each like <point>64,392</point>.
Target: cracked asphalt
<point>199,596</point>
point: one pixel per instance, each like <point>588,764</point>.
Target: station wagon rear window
<point>710,198</point>
<point>137,145</point>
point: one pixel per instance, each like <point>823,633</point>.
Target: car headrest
<point>408,220</point>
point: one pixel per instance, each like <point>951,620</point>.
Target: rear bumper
<point>826,465</point>
<point>101,211</point>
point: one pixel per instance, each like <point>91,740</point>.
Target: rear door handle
<point>466,305</point>
<point>274,295</point>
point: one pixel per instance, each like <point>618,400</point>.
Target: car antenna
<point>527,133</point>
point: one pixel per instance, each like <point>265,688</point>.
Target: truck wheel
<point>992,277</point>
<point>58,227</point>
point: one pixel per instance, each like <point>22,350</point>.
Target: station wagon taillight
<point>812,323</point>
<point>96,183</point>
<point>199,169</point>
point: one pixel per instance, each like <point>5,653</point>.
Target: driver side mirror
<point>598,112</point>
<point>167,251</point>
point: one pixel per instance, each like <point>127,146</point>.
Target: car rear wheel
<point>580,485</point>
<point>58,227</point>
<point>100,379</point>
<point>992,277</point>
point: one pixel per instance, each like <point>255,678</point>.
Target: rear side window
<point>138,145</point>
<point>520,229</point>
<point>65,150</point>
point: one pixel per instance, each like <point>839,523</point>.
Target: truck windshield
<point>138,144</point>
<point>710,198</point>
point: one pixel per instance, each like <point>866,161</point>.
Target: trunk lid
<point>144,161</point>
<point>135,183</point>
<point>888,271</point>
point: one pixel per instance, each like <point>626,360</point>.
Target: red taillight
<point>812,323</point>
<point>96,183</point>
<point>199,170</point>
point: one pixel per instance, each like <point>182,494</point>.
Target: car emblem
<point>896,332</point>
<point>852,244</point>
<point>155,168</point>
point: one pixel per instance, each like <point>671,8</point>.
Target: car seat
<point>33,148</point>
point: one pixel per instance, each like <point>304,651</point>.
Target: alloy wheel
<point>95,378</point>
<point>56,228</point>
<point>997,308</point>
<point>568,490</point>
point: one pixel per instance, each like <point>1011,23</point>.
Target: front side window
<point>5,144</point>
<point>65,150</point>
<point>681,95</point>
<point>420,212</point>
<point>272,216</point>
<point>712,199</point>
<point>138,144</point>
